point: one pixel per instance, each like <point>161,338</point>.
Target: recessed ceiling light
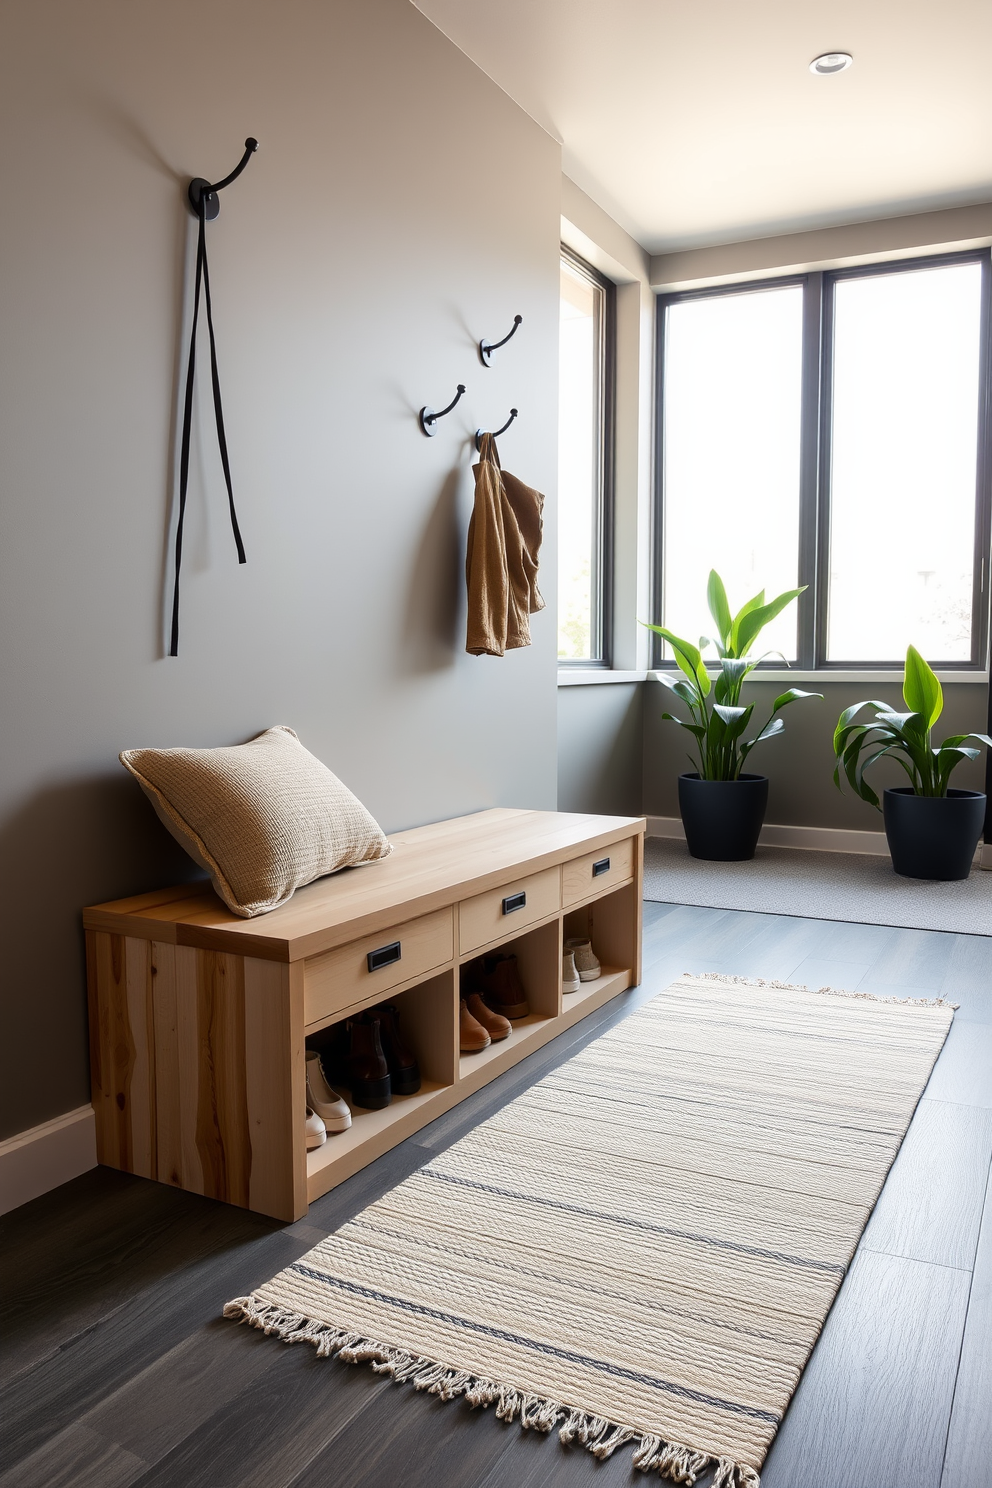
<point>830,63</point>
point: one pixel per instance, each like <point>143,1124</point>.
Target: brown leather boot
<point>471,1035</point>
<point>404,1071</point>
<point>495,1024</point>
<point>368,1072</point>
<point>499,980</point>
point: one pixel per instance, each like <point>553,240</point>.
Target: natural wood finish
<point>429,868</point>
<point>578,883</point>
<point>338,979</point>
<point>198,1019</point>
<point>197,1060</point>
<point>481,921</point>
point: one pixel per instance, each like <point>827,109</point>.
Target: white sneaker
<point>586,961</point>
<point>570,981</point>
<point>325,1102</point>
<point>316,1130</point>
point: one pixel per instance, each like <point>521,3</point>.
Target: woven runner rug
<point>642,1248</point>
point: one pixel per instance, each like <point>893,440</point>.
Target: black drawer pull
<point>514,901</point>
<point>601,865</point>
<point>384,956</point>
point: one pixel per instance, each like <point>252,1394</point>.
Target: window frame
<point>601,565</point>
<point>815,459</point>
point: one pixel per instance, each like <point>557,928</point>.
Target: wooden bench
<point>198,1019</point>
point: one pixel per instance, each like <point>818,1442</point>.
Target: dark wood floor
<point>118,1371</point>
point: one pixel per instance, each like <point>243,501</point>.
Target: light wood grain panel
<point>141,1085</point>
<point>188,1065</point>
<point>168,1121</point>
<point>482,922</point>
<point>430,867</point>
<point>341,978</point>
<point>275,1091</point>
<point>578,882</point>
<point>429,1024</point>
<point>222,1136</point>
<point>112,1047</point>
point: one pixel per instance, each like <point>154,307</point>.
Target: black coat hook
<point>199,187</point>
<point>429,417</point>
<point>486,348</point>
<point>479,432</point>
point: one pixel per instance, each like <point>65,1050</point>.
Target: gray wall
<point>400,207</point>
<point>800,762</point>
<point>600,748</point>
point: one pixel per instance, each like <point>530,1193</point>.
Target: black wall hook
<point>429,417</point>
<point>479,432</point>
<point>486,348</point>
<point>199,187</point>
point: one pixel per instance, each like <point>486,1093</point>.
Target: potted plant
<point>932,830</point>
<point>723,807</point>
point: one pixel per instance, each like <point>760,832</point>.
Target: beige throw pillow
<point>263,818</point>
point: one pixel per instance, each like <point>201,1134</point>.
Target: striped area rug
<point>642,1248</point>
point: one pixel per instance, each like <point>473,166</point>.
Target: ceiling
<point>695,122</point>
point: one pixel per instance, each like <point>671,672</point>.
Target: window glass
<point>581,453</point>
<point>732,416</point>
<point>903,451</point>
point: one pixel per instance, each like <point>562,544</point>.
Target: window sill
<point>797,675</point>
<point>591,676</point>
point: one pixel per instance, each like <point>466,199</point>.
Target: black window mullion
<point>809,547</point>
<point>980,641</point>
<point>823,464</point>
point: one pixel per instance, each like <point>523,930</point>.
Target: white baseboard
<point>823,839</point>
<point>35,1161</point>
<point>985,858</point>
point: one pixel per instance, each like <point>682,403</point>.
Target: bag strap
<point>202,276</point>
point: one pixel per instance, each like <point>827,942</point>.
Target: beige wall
<point>399,208</point>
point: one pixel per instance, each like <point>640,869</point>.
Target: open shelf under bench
<point>198,1019</point>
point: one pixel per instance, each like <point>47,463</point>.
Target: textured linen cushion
<point>263,818</point>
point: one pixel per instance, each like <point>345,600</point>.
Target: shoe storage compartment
<point>199,1019</point>
<point>428,1027</point>
<point>538,954</point>
<point>605,922</point>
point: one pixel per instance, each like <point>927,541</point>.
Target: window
<point>829,430</point>
<point>585,458</point>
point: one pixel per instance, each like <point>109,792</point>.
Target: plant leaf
<point>921,689</point>
<point>716,598</point>
<point>688,658</point>
<point>793,694</point>
<point>745,609</point>
<point>754,622</point>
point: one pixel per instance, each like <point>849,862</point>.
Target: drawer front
<point>342,977</point>
<point>599,870</point>
<point>512,907</point>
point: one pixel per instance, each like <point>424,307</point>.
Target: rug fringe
<point>742,981</point>
<point>599,1436</point>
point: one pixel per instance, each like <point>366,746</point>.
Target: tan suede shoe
<point>472,1037</point>
<point>495,1024</point>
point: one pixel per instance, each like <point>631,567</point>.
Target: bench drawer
<point>599,870</point>
<point>513,906</point>
<point>362,968</point>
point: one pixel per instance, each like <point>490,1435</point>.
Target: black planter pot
<point>933,836</point>
<point>722,818</point>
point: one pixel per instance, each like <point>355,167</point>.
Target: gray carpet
<point>819,885</point>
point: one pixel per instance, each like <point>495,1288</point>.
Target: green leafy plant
<point>717,719</point>
<point>904,736</point>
